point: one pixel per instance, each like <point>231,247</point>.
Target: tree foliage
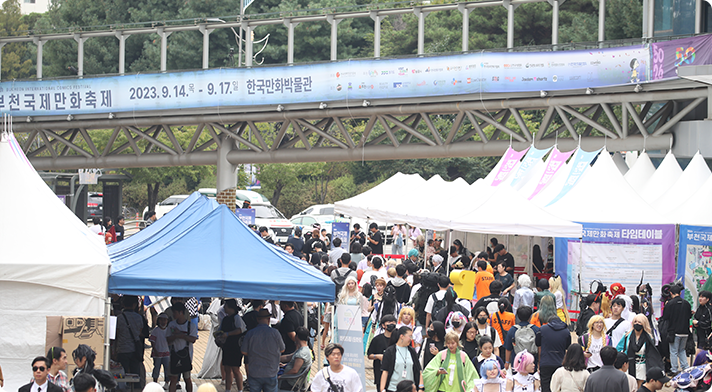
<point>16,58</point>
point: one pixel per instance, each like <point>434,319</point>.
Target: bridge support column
<point>510,22</point>
<point>1,45</point>
<point>164,46</point>
<point>80,54</point>
<point>465,26</point>
<point>699,7</point>
<point>334,34</point>
<point>290,40</point>
<point>601,20</point>
<point>122,51</point>
<point>206,44</point>
<point>418,11</point>
<point>376,34</point>
<point>226,175</point>
<point>39,44</point>
<point>248,43</point>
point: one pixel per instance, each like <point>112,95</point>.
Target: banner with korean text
<point>340,230</point>
<point>582,161</point>
<point>350,335</point>
<point>533,156</point>
<point>617,253</point>
<point>509,162</point>
<point>694,260</point>
<point>556,161</point>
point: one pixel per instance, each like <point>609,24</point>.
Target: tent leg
<point>107,328</point>
<point>306,314</point>
<point>318,338</point>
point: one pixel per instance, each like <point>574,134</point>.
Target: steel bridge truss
<point>620,122</point>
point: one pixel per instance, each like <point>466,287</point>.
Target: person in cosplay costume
<point>450,370</point>
<point>617,290</point>
<point>556,288</point>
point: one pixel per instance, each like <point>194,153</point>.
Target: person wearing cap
<point>655,380</point>
<point>607,378</point>
<point>160,352</point>
<point>264,346</point>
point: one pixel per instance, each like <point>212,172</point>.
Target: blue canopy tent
<point>182,216</point>
<point>218,256</point>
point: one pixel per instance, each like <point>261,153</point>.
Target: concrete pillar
<point>601,20</point>
<point>465,26</point>
<point>376,34</point>
<point>39,44</point>
<point>334,34</point>
<point>226,174</point>
<point>709,103</point>
<point>164,47</point>
<point>80,54</point>
<point>206,44</point>
<point>555,23</point>
<point>1,45</point>
<point>248,46</point>
<point>699,4</point>
<point>510,22</point>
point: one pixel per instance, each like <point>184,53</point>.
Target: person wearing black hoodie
<point>553,339</point>
<point>402,287</point>
<point>677,312</point>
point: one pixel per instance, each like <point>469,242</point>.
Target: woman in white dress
<point>526,379</point>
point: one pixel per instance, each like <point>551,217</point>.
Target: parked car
<point>95,206</point>
<point>269,216</point>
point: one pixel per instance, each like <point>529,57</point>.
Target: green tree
<point>16,59</point>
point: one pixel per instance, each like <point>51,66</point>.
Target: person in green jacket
<point>450,370</point>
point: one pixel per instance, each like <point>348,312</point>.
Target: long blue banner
<point>351,80</point>
<point>694,260</point>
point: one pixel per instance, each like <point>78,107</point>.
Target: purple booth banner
<point>511,157</point>
<point>668,55</point>
<point>617,253</point>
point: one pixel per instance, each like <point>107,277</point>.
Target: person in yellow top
<point>450,370</point>
<point>482,280</point>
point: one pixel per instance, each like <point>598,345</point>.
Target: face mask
<point>390,327</point>
<point>638,327</point>
<point>431,333</point>
<point>456,323</point>
<point>482,320</point>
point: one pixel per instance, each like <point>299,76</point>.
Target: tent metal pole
<point>318,337</point>
<point>305,310</point>
<point>107,328</point>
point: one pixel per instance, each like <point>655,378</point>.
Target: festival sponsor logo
<point>439,82</point>
<point>554,78</point>
<point>553,64</point>
<point>455,68</point>
<point>469,80</point>
<point>455,82</point>
<point>525,79</point>
<point>351,87</point>
<point>423,83</point>
<point>541,79</point>
<point>512,66</point>
<point>416,71</point>
<point>348,74</point>
<point>397,84</point>
<point>488,65</point>
<point>402,71</point>
<point>577,64</point>
<point>575,77</point>
<point>534,65</point>
<point>383,85</point>
<point>373,73</point>
<point>510,78</point>
<point>468,66</point>
<point>384,73</point>
<point>338,87</point>
<point>595,63</point>
<point>495,78</point>
<point>429,69</point>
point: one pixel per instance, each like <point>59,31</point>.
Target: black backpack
<point>339,281</point>
<point>437,305</point>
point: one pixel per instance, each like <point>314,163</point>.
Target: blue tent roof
<point>218,256</point>
<point>184,215</point>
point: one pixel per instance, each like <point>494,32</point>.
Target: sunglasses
<point>40,368</point>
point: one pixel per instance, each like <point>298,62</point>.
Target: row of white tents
<point>602,194</point>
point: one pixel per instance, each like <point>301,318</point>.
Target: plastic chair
<point>299,384</point>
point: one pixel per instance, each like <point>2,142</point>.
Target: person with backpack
<point>339,275</point>
<point>491,301</point>
<point>522,336</point>
<point>436,301</point>
<point>451,306</point>
<point>593,341</point>
<point>553,339</point>
<point>450,370</point>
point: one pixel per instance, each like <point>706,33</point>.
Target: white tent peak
<point>690,212</point>
<point>664,177</point>
<point>641,171</point>
<point>616,202</point>
<point>692,179</point>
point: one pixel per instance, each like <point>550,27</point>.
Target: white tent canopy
<point>694,211</point>
<point>51,264</point>
<point>694,176</point>
<point>602,195</point>
<point>664,177</point>
<point>641,171</point>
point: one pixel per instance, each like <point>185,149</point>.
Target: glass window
<point>327,211</point>
<point>308,221</point>
<point>267,212</point>
<point>674,17</point>
<point>297,221</point>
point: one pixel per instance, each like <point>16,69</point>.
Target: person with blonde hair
<point>526,379</point>
<point>556,288</point>
<point>406,318</point>
<point>593,341</point>
<point>639,345</point>
<point>349,294</point>
<point>450,370</point>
